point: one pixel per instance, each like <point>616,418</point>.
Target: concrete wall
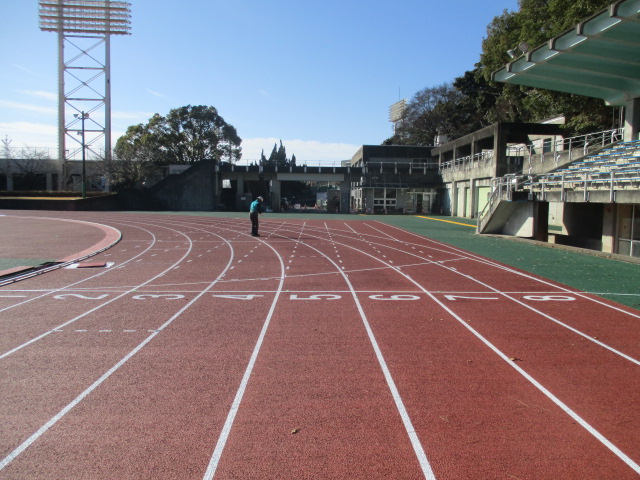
<point>192,190</point>
<point>512,218</point>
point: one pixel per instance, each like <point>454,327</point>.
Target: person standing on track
<point>254,211</point>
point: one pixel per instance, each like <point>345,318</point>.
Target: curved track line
<point>101,246</point>
<point>49,332</point>
<point>235,406</point>
<point>27,443</point>
<point>153,242</point>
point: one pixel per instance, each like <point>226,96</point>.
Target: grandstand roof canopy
<point>598,58</point>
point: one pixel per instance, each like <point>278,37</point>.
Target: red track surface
<point>319,350</point>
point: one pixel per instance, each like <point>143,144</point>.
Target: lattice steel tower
<point>84,29</point>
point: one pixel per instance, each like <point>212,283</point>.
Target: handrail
<point>500,187</point>
<point>571,147</point>
<point>468,162</point>
<point>611,176</point>
<point>505,186</point>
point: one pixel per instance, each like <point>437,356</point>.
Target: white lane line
<point>605,441</point>
<point>351,228</point>
<point>380,231</point>
<point>529,307</point>
<point>397,398</point>
<point>62,325</point>
<point>42,430</point>
<point>235,406</point>
<point>49,292</point>
<point>595,433</point>
<point>535,310</point>
<point>486,261</point>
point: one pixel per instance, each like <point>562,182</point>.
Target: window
<point>629,230</point>
<point>384,199</point>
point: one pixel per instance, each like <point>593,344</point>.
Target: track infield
<point>323,349</point>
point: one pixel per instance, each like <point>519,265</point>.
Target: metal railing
<point>539,151</point>
<point>502,188</point>
<point>601,177</point>
<point>565,149</point>
<point>468,163</point>
<point>584,182</point>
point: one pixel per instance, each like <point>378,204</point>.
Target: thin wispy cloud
<point>28,107</point>
<point>40,94</point>
<point>24,69</point>
<point>156,94</point>
<point>265,94</point>
<point>30,134</point>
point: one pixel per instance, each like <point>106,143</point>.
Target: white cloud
<point>156,94</point>
<point>24,69</point>
<point>41,94</point>
<point>304,150</point>
<point>29,107</point>
<point>26,134</point>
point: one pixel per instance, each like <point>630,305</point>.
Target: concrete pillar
<point>473,191</point>
<point>632,120</point>
<point>500,154</point>
<point>217,188</point>
<point>454,199</point>
<point>275,195</point>
<point>609,228</point>
<point>345,197</point>
<point>240,192</point>
<point>541,221</point>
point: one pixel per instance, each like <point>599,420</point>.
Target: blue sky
<point>319,75</point>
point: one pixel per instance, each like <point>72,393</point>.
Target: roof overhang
<point>599,58</point>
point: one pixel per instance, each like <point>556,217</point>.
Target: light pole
<point>82,116</point>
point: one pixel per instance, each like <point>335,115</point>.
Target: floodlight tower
<point>397,113</point>
<point>84,28</point>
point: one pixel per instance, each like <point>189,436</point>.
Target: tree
<point>431,111</point>
<point>186,135</point>
<point>32,170</point>
<point>534,23</point>
<point>6,147</point>
<point>6,154</point>
<point>278,157</point>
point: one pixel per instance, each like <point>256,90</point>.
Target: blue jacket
<point>256,206</point>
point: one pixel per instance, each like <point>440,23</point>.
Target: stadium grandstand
<point>590,200</point>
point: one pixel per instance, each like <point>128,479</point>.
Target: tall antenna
<point>84,29</point>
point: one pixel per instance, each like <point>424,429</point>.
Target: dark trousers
<point>254,223</point>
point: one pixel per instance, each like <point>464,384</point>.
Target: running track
<point>321,350</point>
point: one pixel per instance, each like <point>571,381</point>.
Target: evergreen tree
<point>273,158</point>
<point>281,156</point>
<point>278,157</point>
